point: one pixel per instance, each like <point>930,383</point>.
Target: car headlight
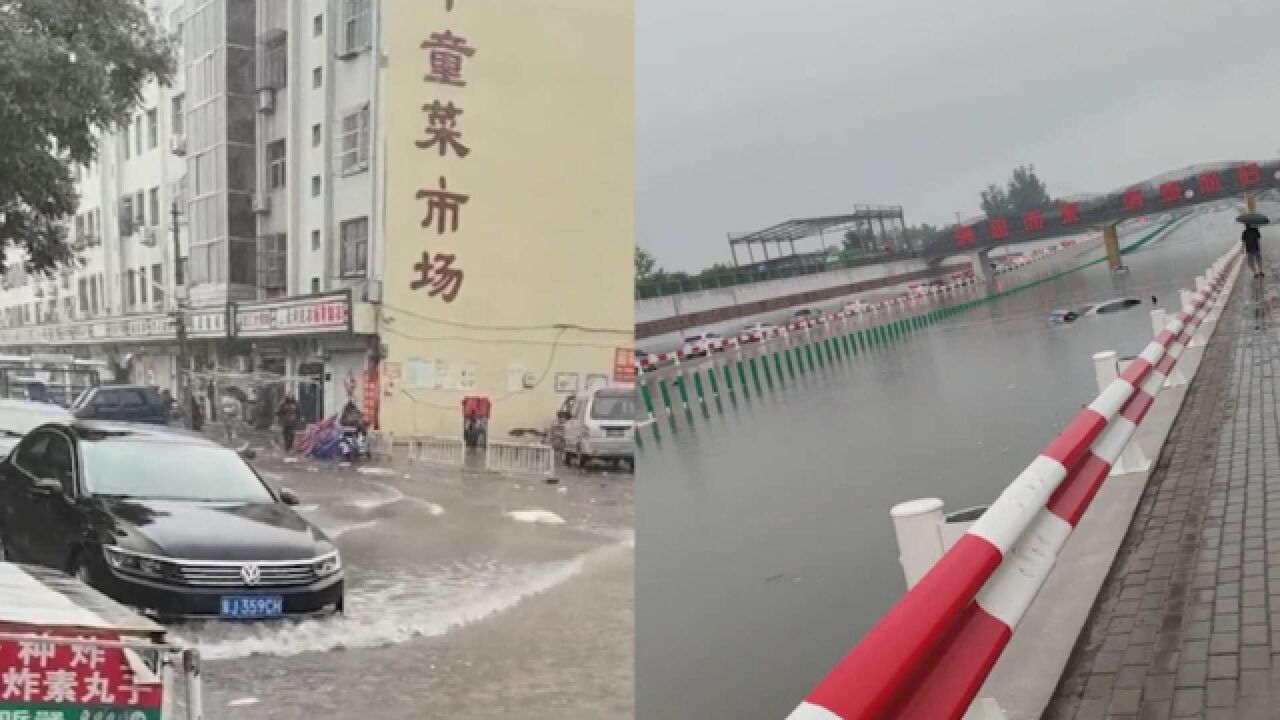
<point>127,562</point>
<point>327,565</point>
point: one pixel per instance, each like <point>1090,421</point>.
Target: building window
<point>137,136</point>
<point>124,135</point>
<point>82,285</point>
<point>354,155</point>
<point>131,290</point>
<point>315,135</point>
<point>315,186</point>
<point>142,285</point>
<point>153,129</point>
<point>276,165</point>
<point>157,284</point>
<point>315,285</point>
<point>272,264</point>
<point>139,210</point>
<point>155,206</point>
<point>126,215</point>
<point>177,112</point>
<point>356,25</point>
<point>317,25</point>
<point>355,248</point>
<point>275,62</point>
<point>317,77</point>
<point>315,239</point>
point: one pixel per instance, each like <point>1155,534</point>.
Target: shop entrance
<point>311,392</point>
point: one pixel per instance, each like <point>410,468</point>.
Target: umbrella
<point>1253,219</point>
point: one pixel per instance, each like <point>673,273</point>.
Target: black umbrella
<point>1253,219</point>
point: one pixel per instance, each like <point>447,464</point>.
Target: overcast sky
<point>751,112</point>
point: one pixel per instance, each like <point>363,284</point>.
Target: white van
<point>599,425</point>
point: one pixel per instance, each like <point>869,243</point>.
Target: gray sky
<point>751,112</point>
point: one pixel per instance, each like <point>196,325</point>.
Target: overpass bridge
<point>1205,184</point>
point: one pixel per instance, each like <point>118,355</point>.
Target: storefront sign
<point>624,365</point>
<point>45,680</point>
<point>329,313</point>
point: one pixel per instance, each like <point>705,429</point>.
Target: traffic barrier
<point>381,444</point>
<point>929,654</point>
<point>437,450</point>
<point>519,458</point>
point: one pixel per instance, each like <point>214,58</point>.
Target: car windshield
<point>620,406</point>
<point>169,471</point>
<point>693,339</point>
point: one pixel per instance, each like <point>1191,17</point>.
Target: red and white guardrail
<point>929,654</point>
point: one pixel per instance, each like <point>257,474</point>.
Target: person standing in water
<point>1252,249</point>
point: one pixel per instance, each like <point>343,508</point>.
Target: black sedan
<point>165,522</point>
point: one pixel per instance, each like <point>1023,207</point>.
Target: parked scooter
<point>354,445</point>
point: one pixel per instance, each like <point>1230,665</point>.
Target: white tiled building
<point>267,144</point>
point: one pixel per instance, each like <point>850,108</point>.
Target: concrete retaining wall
<point>657,316</point>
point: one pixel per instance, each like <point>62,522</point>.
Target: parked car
<point>701,345</point>
<point>19,417</point>
<point>807,314</point>
<point>756,331</point>
<point>122,403</point>
<point>163,521</point>
<point>856,307</point>
<point>599,425</point>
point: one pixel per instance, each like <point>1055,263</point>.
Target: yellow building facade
<point>509,210</point>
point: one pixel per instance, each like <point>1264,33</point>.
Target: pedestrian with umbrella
<point>1251,237</point>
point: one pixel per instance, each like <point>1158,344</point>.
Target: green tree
<point>1026,190</point>
<point>69,70</point>
<point>646,264</point>
<point>995,202</point>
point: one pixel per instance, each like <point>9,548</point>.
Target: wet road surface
<point>455,607</point>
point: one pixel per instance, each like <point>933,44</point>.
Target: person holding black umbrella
<point>1252,250</point>
<point>1251,238</point>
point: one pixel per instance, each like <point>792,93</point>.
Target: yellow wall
<point>547,234</point>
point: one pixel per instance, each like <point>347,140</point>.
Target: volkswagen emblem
<point>251,574</point>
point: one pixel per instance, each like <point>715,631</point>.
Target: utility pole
<point>180,320</point>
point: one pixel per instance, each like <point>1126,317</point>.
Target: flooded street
<point>766,546</point>
<point>468,593</point>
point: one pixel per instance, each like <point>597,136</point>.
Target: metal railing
<point>437,450</point>
<point>519,458</point>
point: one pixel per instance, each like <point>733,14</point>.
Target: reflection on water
<point>765,544</point>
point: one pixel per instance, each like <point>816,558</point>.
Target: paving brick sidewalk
<point>1188,622</point>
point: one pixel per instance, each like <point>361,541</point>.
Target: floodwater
<point>765,545</point>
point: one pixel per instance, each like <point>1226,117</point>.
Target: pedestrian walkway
<point>1189,618</point>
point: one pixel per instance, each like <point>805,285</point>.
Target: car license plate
<point>252,606</point>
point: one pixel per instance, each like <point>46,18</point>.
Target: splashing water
<point>394,609</point>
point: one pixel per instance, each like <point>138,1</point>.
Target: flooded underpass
<point>467,594</point>
<point>766,543</point>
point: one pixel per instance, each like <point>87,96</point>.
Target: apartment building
<point>261,152</point>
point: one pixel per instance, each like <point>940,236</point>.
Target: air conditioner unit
<point>149,237</point>
<point>126,226</point>
<point>373,291</point>
<point>178,145</point>
<point>261,203</point>
<point>266,100</point>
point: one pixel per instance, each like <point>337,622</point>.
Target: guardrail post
<point>1132,459</point>
<point>1160,323</point>
<point>917,524</point>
